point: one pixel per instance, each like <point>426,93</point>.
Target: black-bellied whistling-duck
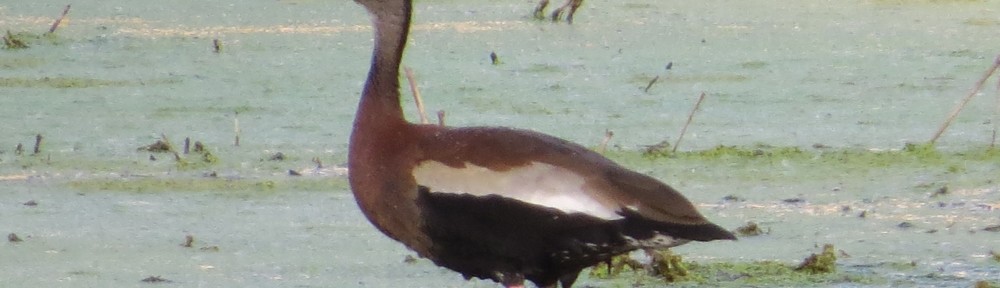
<point>499,203</point>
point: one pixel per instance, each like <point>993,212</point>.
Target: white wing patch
<point>536,183</point>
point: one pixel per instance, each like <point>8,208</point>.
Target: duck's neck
<point>380,98</point>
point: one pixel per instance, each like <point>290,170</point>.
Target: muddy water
<point>849,75</point>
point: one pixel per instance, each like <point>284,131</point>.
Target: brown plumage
<point>499,203</point>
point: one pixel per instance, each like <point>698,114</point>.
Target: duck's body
<point>499,203</point>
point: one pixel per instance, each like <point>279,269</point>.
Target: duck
<point>496,203</point>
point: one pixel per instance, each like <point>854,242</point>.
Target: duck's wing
<point>543,170</point>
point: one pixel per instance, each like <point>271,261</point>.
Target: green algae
<point>24,40</point>
<point>11,63</point>
<point>173,111</point>
<point>616,267</point>
<point>750,229</point>
<point>753,65</point>
<point>669,267</point>
<point>66,82</point>
<point>824,262</point>
<point>154,184</point>
<point>13,42</point>
<point>925,155</point>
<point>986,284</point>
<point>59,82</point>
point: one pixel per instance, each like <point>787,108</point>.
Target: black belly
<point>481,236</point>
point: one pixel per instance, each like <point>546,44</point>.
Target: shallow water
<point>856,74</point>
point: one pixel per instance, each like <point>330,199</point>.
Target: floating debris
<point>277,157</point>
<point>13,238</point>
<point>212,248</point>
<point>409,259</point>
<point>733,198</point>
<point>160,146</point>
<point>188,241</point>
<point>294,173</point>
<point>217,48</point>
<point>905,225</point>
<point>750,229</point>
<point>825,262</point>
<point>992,228</point>
<point>30,203</point>
<point>940,192</point>
<point>155,279</point>
<point>796,200</point>
<point>658,149</point>
<point>820,146</point>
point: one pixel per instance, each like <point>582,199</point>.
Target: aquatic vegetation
<point>24,40</point>
<point>20,61</point>
<point>824,262</point>
<point>841,159</point>
<point>750,229</point>
<point>209,184</point>
<point>753,65</point>
<point>59,82</point>
<point>669,267</point>
<point>615,267</point>
<point>985,284</point>
<point>12,42</point>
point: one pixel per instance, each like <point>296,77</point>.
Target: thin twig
<point>416,95</point>
<point>690,116</point>
<point>996,117</point>
<point>55,25</point>
<point>650,85</point>
<point>38,144</point>
<point>960,106</point>
<point>216,45</point>
<point>236,128</point>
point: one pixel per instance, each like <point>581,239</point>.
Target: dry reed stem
<point>416,94</point>
<point>55,25</point>
<point>690,117</point>
<point>965,101</point>
<point>996,116</point>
